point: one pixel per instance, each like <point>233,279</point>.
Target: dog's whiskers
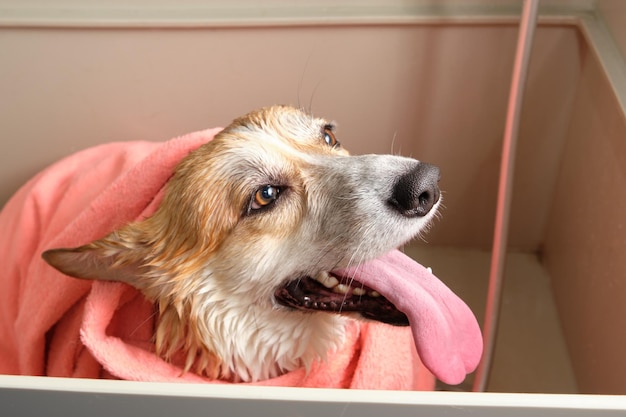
<point>393,141</point>
<point>140,325</point>
<point>360,262</point>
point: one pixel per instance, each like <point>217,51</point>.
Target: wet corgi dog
<point>241,257</point>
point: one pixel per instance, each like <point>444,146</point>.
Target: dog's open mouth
<point>397,290</point>
<point>331,292</point>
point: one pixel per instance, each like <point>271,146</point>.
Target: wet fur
<point>211,262</point>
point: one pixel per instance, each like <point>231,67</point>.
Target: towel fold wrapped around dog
<point>52,324</point>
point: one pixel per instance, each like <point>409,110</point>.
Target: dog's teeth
<point>429,269</point>
<point>358,291</point>
<point>374,294</point>
<point>326,279</point>
<point>341,289</point>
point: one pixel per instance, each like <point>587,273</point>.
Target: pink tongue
<point>446,333</point>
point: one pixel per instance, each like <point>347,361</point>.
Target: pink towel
<point>51,324</point>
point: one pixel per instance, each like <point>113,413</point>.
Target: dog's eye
<point>264,196</point>
<point>329,137</point>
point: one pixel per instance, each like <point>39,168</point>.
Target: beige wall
<point>436,92</point>
<point>586,239</point>
<point>614,14</point>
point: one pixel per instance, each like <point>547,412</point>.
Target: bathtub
<point>430,80</point>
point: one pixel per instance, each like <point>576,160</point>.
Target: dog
<point>240,257</point>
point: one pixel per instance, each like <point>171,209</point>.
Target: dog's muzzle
<point>416,191</point>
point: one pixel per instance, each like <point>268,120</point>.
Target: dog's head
<point>251,228</point>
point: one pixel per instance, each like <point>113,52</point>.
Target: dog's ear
<point>111,258</point>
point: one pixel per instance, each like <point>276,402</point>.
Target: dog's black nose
<point>416,191</point>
